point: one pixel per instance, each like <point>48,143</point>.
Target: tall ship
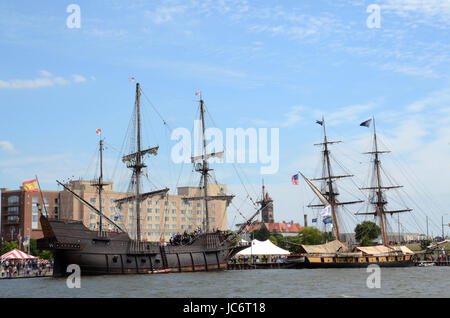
<point>336,254</point>
<point>111,250</point>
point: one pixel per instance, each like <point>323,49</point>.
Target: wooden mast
<point>378,189</point>
<point>100,186</point>
<point>380,202</point>
<point>204,169</point>
<point>331,195</point>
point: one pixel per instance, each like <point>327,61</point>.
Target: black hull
<point>115,253</point>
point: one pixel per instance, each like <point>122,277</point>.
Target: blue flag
<point>327,220</point>
<point>314,220</point>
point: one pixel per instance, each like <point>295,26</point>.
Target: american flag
<point>295,179</point>
<point>132,79</point>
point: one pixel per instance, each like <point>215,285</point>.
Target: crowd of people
<point>25,268</point>
<point>185,238</point>
<point>258,259</point>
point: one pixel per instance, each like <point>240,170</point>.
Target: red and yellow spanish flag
<point>30,186</point>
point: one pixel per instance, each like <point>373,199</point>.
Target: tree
<point>9,246</point>
<point>366,232</point>
<point>310,236</point>
<point>262,234</point>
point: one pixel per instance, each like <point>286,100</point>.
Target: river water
<point>266,283</point>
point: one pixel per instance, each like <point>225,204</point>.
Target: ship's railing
<point>141,247</point>
<point>103,234</point>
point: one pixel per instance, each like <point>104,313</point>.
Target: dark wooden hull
<point>115,253</point>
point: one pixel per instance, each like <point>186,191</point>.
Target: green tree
<point>46,254</point>
<point>310,236</point>
<point>424,244</point>
<point>33,247</point>
<point>262,234</point>
<point>9,246</point>
<point>366,232</point>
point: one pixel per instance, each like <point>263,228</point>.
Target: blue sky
<point>279,64</point>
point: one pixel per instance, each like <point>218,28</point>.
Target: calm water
<point>395,282</point>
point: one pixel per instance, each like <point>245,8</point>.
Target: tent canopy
<point>263,248</point>
<point>16,254</point>
<point>328,248</point>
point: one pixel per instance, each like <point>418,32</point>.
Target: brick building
<point>20,213</point>
<point>159,215</point>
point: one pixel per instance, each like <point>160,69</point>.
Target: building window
<point>166,211</point>
<point>183,211</point>
<point>149,202</point>
<point>156,218</point>
<point>174,203</point>
<point>199,212</point>
<point>199,220</point>
<point>174,227</point>
<point>183,219</point>
<point>166,203</point>
<point>174,211</point>
<point>56,212</point>
<point>34,199</point>
<point>156,202</point>
<point>156,226</point>
<point>156,210</point>
<point>92,200</point>
<point>149,226</point>
<point>56,200</point>
<point>166,226</point>
<point>149,218</point>
<point>198,205</point>
<point>183,227</point>
<point>166,218</point>
<point>13,209</point>
<point>149,210</point>
<point>190,211</point>
<point>13,199</point>
<point>213,205</point>
<point>174,219</point>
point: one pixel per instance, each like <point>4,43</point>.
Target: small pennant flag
<point>366,123</point>
<point>98,131</point>
<point>295,179</point>
<point>198,93</point>
<point>320,122</point>
<point>131,79</point>
<point>30,186</point>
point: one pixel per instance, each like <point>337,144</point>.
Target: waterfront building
<point>160,215</point>
<point>20,211</point>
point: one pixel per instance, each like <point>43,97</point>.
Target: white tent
<point>263,248</point>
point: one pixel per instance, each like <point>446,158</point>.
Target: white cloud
<point>436,99</point>
<point>45,73</point>
<point>8,147</point>
<point>78,78</point>
<point>47,81</point>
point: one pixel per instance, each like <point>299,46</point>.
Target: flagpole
<point>42,197</point>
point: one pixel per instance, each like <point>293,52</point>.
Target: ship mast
<point>135,162</point>
<point>330,193</point>
<point>204,170</point>
<point>99,184</point>
<point>380,201</point>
